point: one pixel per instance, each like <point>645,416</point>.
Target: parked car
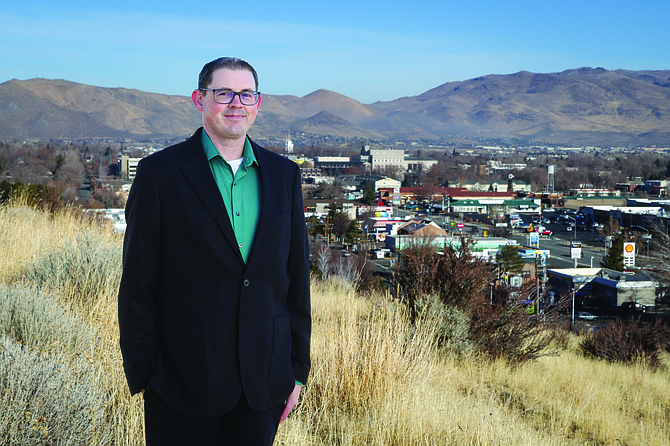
<point>632,307</point>
<point>595,227</point>
<point>580,227</point>
<point>584,316</point>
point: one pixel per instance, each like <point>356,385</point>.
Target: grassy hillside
<point>376,378</point>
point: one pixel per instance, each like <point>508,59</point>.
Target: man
<point>214,310</point>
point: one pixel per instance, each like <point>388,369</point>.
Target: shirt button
<point>246,282</point>
<point>237,213</point>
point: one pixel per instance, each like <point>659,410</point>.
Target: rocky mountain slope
<point>575,107</point>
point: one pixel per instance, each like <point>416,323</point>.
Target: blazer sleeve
<point>299,306</point>
<point>139,282</point>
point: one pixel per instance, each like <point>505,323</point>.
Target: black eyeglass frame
<point>255,94</point>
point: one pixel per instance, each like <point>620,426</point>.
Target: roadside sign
<point>576,250</point>
<point>460,226</point>
<point>629,254</point>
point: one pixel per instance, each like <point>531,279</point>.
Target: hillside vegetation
<point>377,378</point>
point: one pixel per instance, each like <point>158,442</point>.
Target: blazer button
<point>246,282</point>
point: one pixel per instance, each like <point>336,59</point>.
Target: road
<point>559,244</point>
<point>561,250</point>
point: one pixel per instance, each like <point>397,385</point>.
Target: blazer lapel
<point>270,176</point>
<point>197,172</point>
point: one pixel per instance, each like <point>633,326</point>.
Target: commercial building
<point>128,167</point>
<point>602,286</point>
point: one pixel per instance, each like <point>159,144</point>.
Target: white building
<point>129,167</point>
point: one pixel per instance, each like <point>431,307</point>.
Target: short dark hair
<point>231,63</point>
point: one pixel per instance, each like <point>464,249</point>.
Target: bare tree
<point>346,268</point>
<point>323,259</point>
<point>611,227</point>
<point>657,259</point>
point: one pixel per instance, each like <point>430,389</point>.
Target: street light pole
<point>574,227</point>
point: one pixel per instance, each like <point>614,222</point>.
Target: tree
<point>509,259</point>
<point>340,224</point>
<point>369,196</point>
<point>614,258</point>
<point>354,234</point>
<point>611,227</point>
<point>657,261</point>
<point>322,259</point>
<point>325,190</point>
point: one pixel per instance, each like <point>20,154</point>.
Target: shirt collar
<point>211,151</point>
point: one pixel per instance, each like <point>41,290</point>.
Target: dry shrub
<point>50,385</point>
<point>39,320</point>
<point>459,280</point>
<point>627,342</point>
<point>452,325</point>
<point>455,275</point>
<point>514,331</point>
<point>69,254</point>
<point>84,267</point>
<point>416,272</point>
<point>50,398</point>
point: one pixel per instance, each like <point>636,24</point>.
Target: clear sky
<point>367,50</point>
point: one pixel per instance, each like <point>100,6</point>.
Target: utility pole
<point>537,286</point>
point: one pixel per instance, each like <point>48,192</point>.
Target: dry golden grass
<point>25,236</point>
<point>378,380</point>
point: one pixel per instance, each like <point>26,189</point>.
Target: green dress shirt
<point>241,192</point>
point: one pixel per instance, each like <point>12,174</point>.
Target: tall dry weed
<point>377,378</point>
<point>365,357</point>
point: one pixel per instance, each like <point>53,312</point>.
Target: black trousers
<point>166,427</point>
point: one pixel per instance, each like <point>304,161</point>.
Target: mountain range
<point>581,107</point>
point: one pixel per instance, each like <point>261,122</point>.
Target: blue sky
<point>367,50</point>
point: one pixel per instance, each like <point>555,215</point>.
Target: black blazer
<point>197,325</point>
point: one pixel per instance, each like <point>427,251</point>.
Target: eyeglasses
<point>227,96</point>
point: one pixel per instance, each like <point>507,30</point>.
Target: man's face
<point>227,121</point>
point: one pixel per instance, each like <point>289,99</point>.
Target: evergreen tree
<point>369,196</point>
<point>614,258</point>
<point>509,259</point>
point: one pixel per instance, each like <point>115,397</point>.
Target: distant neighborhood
<point>394,197</point>
<point>561,208</point>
